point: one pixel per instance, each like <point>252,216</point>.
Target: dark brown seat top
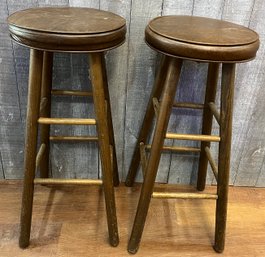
<point>202,39</point>
<point>67,29</point>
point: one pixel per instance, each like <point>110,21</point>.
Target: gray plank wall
<point>131,70</point>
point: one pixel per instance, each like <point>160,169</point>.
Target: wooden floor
<point>71,221</point>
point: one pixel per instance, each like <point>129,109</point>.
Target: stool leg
<point>36,59</point>
<point>97,69</point>
<point>210,94</point>
<point>173,69</point>
<point>227,94</point>
<point>110,125</point>
<point>45,111</point>
<point>147,122</point>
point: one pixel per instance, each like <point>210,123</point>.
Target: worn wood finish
<point>210,94</point>
<point>184,37</point>
<point>227,95</point>
<point>36,61</point>
<point>173,69</point>
<point>99,96</point>
<point>71,92</point>
<point>46,86</point>
<point>90,29</point>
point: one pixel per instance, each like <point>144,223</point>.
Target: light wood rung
<point>214,111</point>
<point>71,92</point>
<point>177,148</point>
<point>209,138</point>
<point>188,105</point>
<point>67,121</point>
<point>184,195</point>
<point>40,154</point>
<point>73,138</point>
<point>212,162</point>
<point>58,181</point>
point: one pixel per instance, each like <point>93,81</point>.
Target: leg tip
<point>23,244</point>
<point>114,242</point>
<point>132,251</point>
<point>218,249</point>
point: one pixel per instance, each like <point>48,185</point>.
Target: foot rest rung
<point>73,138</point>
<point>71,92</point>
<point>66,121</point>
<point>208,138</point>
<point>184,195</point>
<point>177,148</point>
<point>58,181</point>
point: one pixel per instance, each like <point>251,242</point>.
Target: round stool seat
<point>202,39</point>
<point>67,29</point>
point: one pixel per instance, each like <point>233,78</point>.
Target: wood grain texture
<point>131,70</point>
<point>174,228</point>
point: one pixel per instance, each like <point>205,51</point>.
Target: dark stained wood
<point>173,68</point>
<point>88,29</point>
<point>147,122</point>
<point>116,180</point>
<point>104,141</point>
<point>190,41</point>
<point>46,86</point>
<point>34,92</point>
<point>227,95</point>
<point>212,80</point>
<point>203,39</point>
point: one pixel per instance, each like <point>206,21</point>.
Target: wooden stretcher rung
<point>43,104</point>
<point>212,162</point>
<point>73,138</point>
<point>177,148</point>
<point>209,138</point>
<point>40,154</point>
<point>143,157</point>
<point>59,181</point>
<point>66,121</point>
<point>156,106</point>
<point>183,195</point>
<point>188,105</point>
<point>214,111</point>
<point>71,92</point>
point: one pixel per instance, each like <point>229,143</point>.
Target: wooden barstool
<point>203,40</point>
<point>48,30</point>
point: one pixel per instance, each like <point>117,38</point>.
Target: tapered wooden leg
<point>45,111</point>
<point>97,69</point>
<point>110,125</point>
<point>210,94</point>
<point>227,95</point>
<point>172,70</point>
<point>34,90</point>
<point>147,122</point>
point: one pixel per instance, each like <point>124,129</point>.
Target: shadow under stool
<point>199,39</point>
<point>71,30</point>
